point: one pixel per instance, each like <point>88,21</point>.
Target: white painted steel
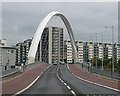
<point>39,31</point>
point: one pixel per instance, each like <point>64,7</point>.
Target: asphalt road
<point>48,83</point>
<point>82,87</point>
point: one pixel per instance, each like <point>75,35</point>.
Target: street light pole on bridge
<point>112,27</point>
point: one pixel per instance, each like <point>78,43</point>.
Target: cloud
<point>20,20</point>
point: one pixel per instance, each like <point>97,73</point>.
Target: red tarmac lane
<point>90,77</point>
<point>26,78</point>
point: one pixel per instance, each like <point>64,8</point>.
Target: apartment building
<point>7,55</point>
<point>52,49</point>
<point>68,52</point>
<point>100,51</point>
<point>22,50</point>
<point>117,52</point>
<point>109,50</point>
<point>88,51</point>
<point>79,45</point>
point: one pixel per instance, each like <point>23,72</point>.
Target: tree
<point>107,64</point>
<point>117,66</point>
<point>99,62</point>
<point>94,61</point>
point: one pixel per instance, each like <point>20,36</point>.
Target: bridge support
<point>39,31</point>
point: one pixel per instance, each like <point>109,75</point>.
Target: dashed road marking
<point>62,81</point>
<point>68,87</point>
<point>65,84</point>
<point>73,93</point>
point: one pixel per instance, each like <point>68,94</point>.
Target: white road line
<point>62,81</point>
<point>65,84</point>
<point>41,72</point>
<point>68,67</point>
<point>97,84</point>
<point>68,87</point>
<point>29,84</point>
<point>73,93</point>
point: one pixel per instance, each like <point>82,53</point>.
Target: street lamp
<point>102,49</point>
<point>96,50</point>
<point>112,28</point>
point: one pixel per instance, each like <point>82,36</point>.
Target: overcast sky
<point>20,20</point>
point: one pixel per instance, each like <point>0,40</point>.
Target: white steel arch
<point>39,31</point>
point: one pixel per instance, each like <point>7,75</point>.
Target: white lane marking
<point>65,84</point>
<point>49,66</point>
<point>30,84</point>
<point>73,93</point>
<point>100,84</point>
<point>41,72</point>
<point>68,87</point>
<point>68,67</point>
<point>62,81</point>
<point>97,84</point>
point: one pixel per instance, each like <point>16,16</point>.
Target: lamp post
<point>96,50</point>
<point>102,50</point>
<point>112,29</point>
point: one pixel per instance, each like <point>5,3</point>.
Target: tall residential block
<point>22,50</point>
<point>52,45</point>
<point>79,45</point>
<point>68,52</point>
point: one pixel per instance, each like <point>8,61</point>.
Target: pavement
<point>23,80</point>
<point>98,71</point>
<point>8,73</point>
<point>68,80</point>
<point>96,80</point>
<point>59,80</point>
<point>14,73</point>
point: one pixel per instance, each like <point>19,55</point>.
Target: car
<point>54,63</point>
<point>62,63</point>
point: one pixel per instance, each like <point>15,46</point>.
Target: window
<point>12,51</point>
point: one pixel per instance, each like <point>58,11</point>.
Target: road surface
<point>49,83</point>
<point>82,87</point>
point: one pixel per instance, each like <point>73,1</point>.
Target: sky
<point>21,19</point>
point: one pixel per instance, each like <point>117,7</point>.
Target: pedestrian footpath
<point>23,80</point>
